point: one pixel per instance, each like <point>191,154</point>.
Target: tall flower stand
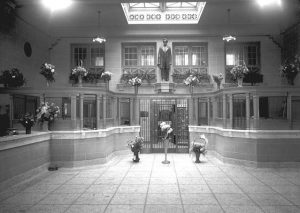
<point>107,85</point>
<point>197,157</point>
<point>191,89</point>
<point>28,129</point>
<point>166,141</point>
<point>136,155</point>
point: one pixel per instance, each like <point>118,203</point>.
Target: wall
<point>12,52</point>
<point>252,148</point>
<point>22,153</point>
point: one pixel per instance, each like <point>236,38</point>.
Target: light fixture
<point>99,39</point>
<point>56,4</point>
<point>228,37</point>
<point>263,3</point>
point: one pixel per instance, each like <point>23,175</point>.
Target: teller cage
<point>172,111</point>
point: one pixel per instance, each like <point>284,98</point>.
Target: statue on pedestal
<point>164,60</point>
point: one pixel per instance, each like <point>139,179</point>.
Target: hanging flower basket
<point>290,69</point>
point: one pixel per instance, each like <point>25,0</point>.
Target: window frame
<point>139,46</point>
<point>88,65</point>
<point>190,46</point>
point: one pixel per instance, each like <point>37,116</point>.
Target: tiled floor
<point>152,187</point>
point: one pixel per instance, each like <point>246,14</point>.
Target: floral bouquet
<point>191,81</point>
<point>48,71</point>
<point>239,71</point>
<point>12,78</point>
<point>79,71</point>
<point>218,78</point>
<point>47,112</point>
<point>135,81</point>
<point>106,76</point>
<point>166,130</point>
<point>27,121</point>
<point>136,146</point>
<point>290,69</point>
<point>199,147</point>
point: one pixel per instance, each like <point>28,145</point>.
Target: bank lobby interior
<point>79,160</point>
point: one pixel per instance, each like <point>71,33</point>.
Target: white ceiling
<point>81,19</point>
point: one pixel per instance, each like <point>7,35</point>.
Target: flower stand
<point>136,89</point>
<point>44,126</point>
<point>136,155</point>
<point>28,130</point>
<point>166,152</point>
<point>240,82</point>
<point>80,81</point>
<point>197,157</point>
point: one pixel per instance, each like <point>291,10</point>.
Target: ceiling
<point>81,19</point>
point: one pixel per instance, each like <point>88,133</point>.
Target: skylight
<point>163,12</point>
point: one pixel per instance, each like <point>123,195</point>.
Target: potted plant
<point>78,73</point>
<point>12,78</point>
<point>218,79</point>
<point>47,112</point>
<point>199,147</point>
<point>136,146</point>
<point>106,76</point>
<point>48,71</point>
<point>136,82</point>
<point>27,121</point>
<point>253,76</point>
<point>191,81</point>
<point>239,72</point>
<point>290,69</point>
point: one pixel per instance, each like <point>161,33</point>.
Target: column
<point>191,108</point>
<point>117,123</point>
<point>224,112</point>
<point>215,110</point>
<point>247,111</point>
<point>104,100</point>
<point>255,111</point>
<point>196,105</point>
<point>98,112</point>
<point>132,121</point>
<point>11,110</point>
<point>73,111</point>
<point>230,111</point>
<point>289,109</point>
<point>81,96</point>
<point>208,112</point>
<point>136,110</point>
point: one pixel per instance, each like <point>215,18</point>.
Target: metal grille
<point>173,112</point>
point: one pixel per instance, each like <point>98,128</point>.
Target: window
<point>239,53</point>
<point>190,54</point>
<point>91,56</point>
<point>138,55</point>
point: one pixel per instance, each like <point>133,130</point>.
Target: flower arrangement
<point>106,76</point>
<point>191,81</point>
<point>12,78</point>
<point>239,71</point>
<point>48,71</point>
<point>199,147</point>
<point>47,112</point>
<point>136,146</point>
<point>290,69</point>
<point>218,78</point>
<point>166,130</point>
<point>135,81</point>
<point>27,121</point>
<point>79,71</point>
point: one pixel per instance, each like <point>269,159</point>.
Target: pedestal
<point>165,87</point>
<point>240,82</point>
<point>80,81</point>
<point>166,141</point>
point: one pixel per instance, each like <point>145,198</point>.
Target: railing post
<point>73,112</point>
<point>208,111</point>
<point>81,97</point>
<point>98,102</point>
<point>289,109</point>
<point>255,111</point>
<point>230,111</point>
<point>224,111</point>
<point>104,97</point>
<point>247,111</point>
